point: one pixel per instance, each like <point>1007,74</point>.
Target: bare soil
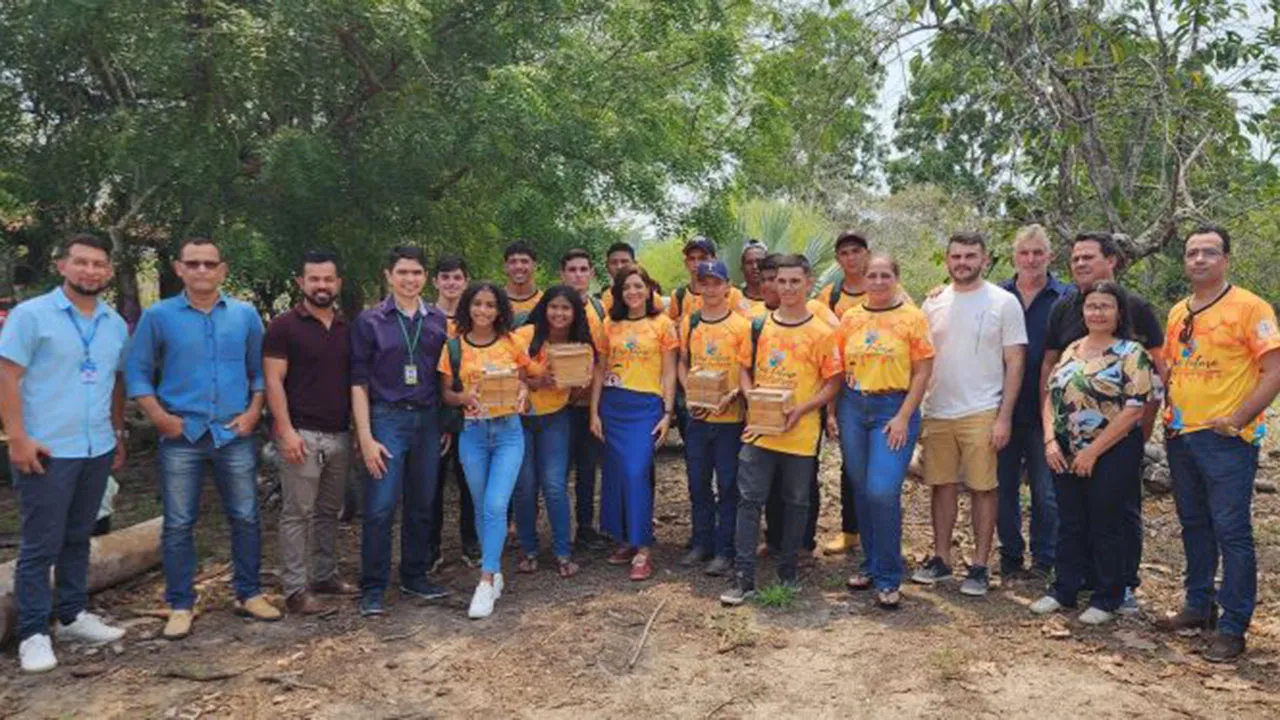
<point>563,648</point>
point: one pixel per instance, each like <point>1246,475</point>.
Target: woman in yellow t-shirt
<point>888,357</point>
<point>491,444</point>
<point>559,318</point>
<point>632,399</point>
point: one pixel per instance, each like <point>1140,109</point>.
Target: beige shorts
<point>959,448</point>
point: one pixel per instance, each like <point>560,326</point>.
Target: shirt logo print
<point>712,348</point>
<point>776,357</point>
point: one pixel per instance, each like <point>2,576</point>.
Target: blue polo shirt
<point>1036,316</point>
<point>208,363</point>
<point>47,336</point>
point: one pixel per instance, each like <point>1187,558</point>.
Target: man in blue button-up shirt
<point>195,368</point>
<point>62,407</point>
<point>1038,290</point>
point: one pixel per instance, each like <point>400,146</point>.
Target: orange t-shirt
<point>719,345</point>
<point>878,346</point>
<point>504,353</point>
<point>693,301</point>
<point>1210,376</point>
<point>800,358</point>
<point>632,352</point>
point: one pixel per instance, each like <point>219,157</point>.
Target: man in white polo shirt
<point>981,337</point>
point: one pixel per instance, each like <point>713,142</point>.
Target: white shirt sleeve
<point>1013,323</point>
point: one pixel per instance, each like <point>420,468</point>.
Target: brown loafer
<point>1189,620</point>
<point>258,608</point>
<point>334,586</point>
<point>304,603</point>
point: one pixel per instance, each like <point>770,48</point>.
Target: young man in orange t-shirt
<point>1222,350</point>
<point>795,351</point>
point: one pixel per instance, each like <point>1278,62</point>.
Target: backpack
<point>451,415</point>
<point>597,306</point>
<point>678,296</point>
<point>757,327</point>
<point>519,319</point>
<point>837,290</point>
<point>694,321</point>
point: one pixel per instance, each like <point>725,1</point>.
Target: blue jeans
<point>235,474</point>
<point>412,436</point>
<point>58,511</point>
<point>492,452</point>
<point>584,451</point>
<point>546,468</point>
<point>1093,526</point>
<point>876,474</point>
<point>1213,479</point>
<point>714,447</point>
<point>1026,445</point>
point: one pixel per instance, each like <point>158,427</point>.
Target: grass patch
<point>949,663</point>
<point>734,630</point>
<point>777,595</point>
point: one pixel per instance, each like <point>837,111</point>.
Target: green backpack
<point>451,415</point>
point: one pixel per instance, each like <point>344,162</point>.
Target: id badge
<point>410,374</point>
<point>89,372</point>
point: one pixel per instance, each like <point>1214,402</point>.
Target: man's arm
<point>1264,393</point>
<point>292,447</point>
<point>24,452</point>
<point>1015,358</point>
<point>117,422</point>
<point>245,422</point>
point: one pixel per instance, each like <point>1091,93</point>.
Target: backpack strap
<point>678,296</point>
<point>454,346</point>
<point>598,307</point>
<point>837,289</point>
<point>695,319</point>
<point>757,327</point>
<point>519,319</point>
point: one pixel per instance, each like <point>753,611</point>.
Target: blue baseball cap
<point>713,268</point>
<point>700,243</point>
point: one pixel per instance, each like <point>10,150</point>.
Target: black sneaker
<point>719,566</point>
<point>589,539</point>
<point>977,583</point>
<point>1223,648</point>
<point>933,571</point>
<point>371,605</point>
<point>742,591</point>
<point>695,556</point>
<point>422,588</point>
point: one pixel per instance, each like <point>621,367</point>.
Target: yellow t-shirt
<point>878,346</point>
<point>1211,375</point>
<point>525,305</point>
<point>692,302</point>
<point>632,352</point>
<point>800,358</point>
<point>724,344</point>
<point>542,401</point>
<point>504,353</point>
<point>820,311</point>
<point>845,301</point>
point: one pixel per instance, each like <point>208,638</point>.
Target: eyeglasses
<point>198,264</point>
<point>1188,327</point>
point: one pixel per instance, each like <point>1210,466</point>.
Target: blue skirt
<point>626,496</point>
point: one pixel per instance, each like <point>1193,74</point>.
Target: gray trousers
<point>758,470</point>
<point>309,516</point>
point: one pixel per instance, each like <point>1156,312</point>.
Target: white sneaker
<point>482,601</point>
<point>89,628</point>
<point>36,654</point>
<point>498,585</point>
<point>1045,605</point>
<point>1094,616</point>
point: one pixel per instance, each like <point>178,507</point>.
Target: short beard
<point>90,292</point>
<point>319,303</point>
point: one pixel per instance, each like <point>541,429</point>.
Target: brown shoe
<point>304,603</point>
<point>258,608</point>
<point>1187,619</point>
<point>179,624</point>
<point>334,586</point>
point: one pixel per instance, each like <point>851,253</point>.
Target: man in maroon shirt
<point>307,367</point>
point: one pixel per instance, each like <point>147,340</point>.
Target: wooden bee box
<point>706,389</point>
<point>499,389</point>
<point>571,364</point>
<point>767,410</point>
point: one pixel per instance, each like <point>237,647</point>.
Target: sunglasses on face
<point>198,264</point>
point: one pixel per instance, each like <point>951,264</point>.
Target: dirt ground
<point>565,648</point>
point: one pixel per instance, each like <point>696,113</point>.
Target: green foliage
<point>445,123</point>
<point>777,596</point>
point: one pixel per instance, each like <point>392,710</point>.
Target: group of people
<point>1062,382</point>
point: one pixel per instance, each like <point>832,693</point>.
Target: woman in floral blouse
<point>1093,442</point>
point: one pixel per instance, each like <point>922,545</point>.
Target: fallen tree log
<point>113,558</point>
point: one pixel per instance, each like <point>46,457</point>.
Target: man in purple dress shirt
<point>395,347</point>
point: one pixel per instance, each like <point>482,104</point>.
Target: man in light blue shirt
<point>63,409</point>
<point>195,368</point>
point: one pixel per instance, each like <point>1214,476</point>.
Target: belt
<point>407,406</point>
<point>878,392</point>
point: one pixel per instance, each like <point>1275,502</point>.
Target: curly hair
<point>501,324</point>
<point>619,311</point>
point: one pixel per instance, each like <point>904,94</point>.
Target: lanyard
<point>85,340</point>
<point>410,345</point>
